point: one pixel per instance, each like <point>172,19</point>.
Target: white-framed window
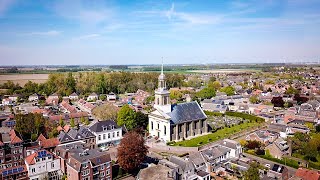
<point>33,170</point>
<point>102,174</point>
<point>107,172</point>
<point>104,136</point>
<point>99,137</point>
<point>85,172</point>
<point>52,165</point>
<point>118,133</point>
<point>107,164</point>
<point>113,134</point>
<point>102,167</point>
<point>108,135</point>
<point>165,130</point>
<point>152,125</point>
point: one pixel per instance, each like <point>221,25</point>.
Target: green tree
<point>206,93</point>
<point>254,99</point>
<point>71,84</point>
<point>126,116</point>
<point>291,91</point>
<point>175,95</point>
<point>142,120</point>
<point>61,122</point>
<point>72,123</point>
<point>106,111</point>
<point>214,85</point>
<point>86,122</point>
<point>252,173</point>
<point>229,90</point>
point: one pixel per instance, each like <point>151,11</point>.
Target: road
<point>262,161</point>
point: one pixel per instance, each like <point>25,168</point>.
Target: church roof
<point>186,112</point>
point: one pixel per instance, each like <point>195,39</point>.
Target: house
<point>7,102</point>
<point>173,123</point>
<point>278,148</point>
<point>93,97</point>
<point>106,133</point>
<point>78,134</point>
<point>214,105</point>
<point>198,161</point>
<point>63,151</point>
<point>234,146</point>
<point>307,174</point>
<point>12,153</point>
<point>214,156</point>
<point>34,97</point>
<point>67,117</point>
<point>263,136</point>
<point>43,164</point>
<point>278,172</point>
<point>9,122</point>
<point>112,97</point>
<point>48,144</point>
<point>73,97</point>
<point>159,172</point>
<point>244,108</point>
<point>67,108</point>
<point>53,99</point>
<point>89,164</point>
<point>186,169</point>
<point>85,106</point>
<point>14,98</point>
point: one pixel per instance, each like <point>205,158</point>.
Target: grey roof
<point>99,126</point>
<point>74,134</point>
<point>215,152</point>
<point>229,143</point>
<point>74,94</point>
<point>183,164</point>
<point>186,112</point>
<point>196,158</point>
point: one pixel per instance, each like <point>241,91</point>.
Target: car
<point>267,166</point>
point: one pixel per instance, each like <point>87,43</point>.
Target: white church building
<point>175,122</point>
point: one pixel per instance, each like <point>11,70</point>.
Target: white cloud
<point>86,37</point>
<point>46,33</point>
<point>5,5</point>
<point>87,12</point>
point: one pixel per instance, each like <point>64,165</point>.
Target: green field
<point>219,134</point>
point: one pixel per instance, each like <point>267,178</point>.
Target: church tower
<point>162,95</point>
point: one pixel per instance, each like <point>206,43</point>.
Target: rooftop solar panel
<point>9,171</point>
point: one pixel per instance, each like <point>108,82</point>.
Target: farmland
<point>22,79</point>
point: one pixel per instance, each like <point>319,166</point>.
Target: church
<point>175,122</point>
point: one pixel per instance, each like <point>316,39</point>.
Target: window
<point>107,172</point>
<point>108,164</point>
<point>152,125</point>
<point>104,136</point>
<point>43,159</point>
<point>85,172</point>
<point>109,135</point>
<point>158,126</point>
<point>33,170</point>
<point>102,174</point>
<point>165,130</point>
<point>15,164</point>
<point>52,165</point>
<point>113,134</point>
<point>118,134</point>
<point>102,167</point>
<point>99,137</point>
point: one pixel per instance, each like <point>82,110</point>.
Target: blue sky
<point>43,32</point>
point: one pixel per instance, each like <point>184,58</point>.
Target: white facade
<point>108,136</point>
<point>33,98</point>
<point>92,97</point>
<point>41,168</point>
<point>159,126</point>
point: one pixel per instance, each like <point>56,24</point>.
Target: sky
<point>82,32</point>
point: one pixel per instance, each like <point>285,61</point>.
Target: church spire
<point>162,66</point>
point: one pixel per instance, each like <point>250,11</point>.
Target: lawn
<point>219,134</point>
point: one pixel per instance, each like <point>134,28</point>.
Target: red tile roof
<point>30,159</point>
<point>14,138</point>
<point>307,174</point>
<point>47,143</point>
<point>41,138</point>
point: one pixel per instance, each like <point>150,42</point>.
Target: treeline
<point>84,83</point>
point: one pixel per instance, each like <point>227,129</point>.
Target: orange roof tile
<point>41,138</point>
<point>30,159</point>
<point>307,174</point>
<point>47,143</point>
